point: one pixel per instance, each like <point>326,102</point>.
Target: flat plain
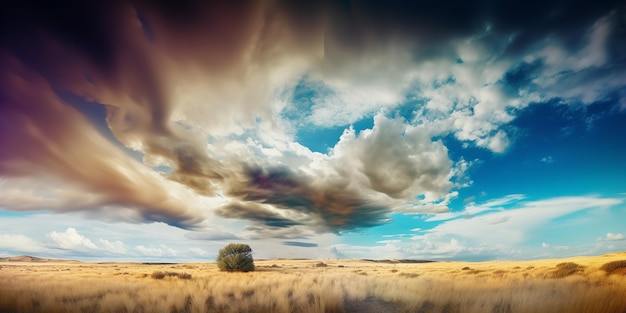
<point>592,284</point>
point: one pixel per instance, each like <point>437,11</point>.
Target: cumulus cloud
<point>70,240</point>
<point>123,118</point>
<point>20,244</point>
<point>394,159</point>
<point>117,246</point>
<point>614,237</point>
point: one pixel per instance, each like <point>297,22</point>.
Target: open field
<point>582,284</point>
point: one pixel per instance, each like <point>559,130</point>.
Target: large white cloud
<point>394,159</point>
<point>70,240</point>
<point>15,243</point>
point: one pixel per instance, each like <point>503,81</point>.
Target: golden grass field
<point>564,285</point>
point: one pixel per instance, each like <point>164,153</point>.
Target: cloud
<point>211,234</point>
<point>394,159</point>
<point>614,237</point>
<point>199,252</point>
<point>264,214</point>
<point>20,244</point>
<point>266,232</point>
<point>59,161</point>
<point>547,159</point>
<point>117,246</point>
<point>495,231</point>
<point>100,103</point>
<point>70,240</point>
<point>391,241</point>
<point>520,219</point>
<point>472,209</point>
<point>300,244</point>
<point>346,251</point>
<point>154,251</point>
<point>558,248</point>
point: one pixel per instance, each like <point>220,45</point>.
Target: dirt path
<point>370,305</point>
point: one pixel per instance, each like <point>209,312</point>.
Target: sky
<point>447,130</point>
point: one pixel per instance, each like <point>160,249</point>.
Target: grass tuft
<point>161,275</point>
<point>566,269</point>
<point>409,275</point>
<point>158,275</point>
<point>615,267</point>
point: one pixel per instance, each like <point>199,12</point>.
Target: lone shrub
<point>235,257</point>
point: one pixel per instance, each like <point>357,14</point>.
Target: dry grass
<point>301,286</point>
<point>161,275</point>
<point>565,269</point>
<point>615,267</point>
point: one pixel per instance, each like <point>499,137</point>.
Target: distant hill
<point>28,258</point>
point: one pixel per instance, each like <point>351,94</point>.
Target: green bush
<point>235,257</point>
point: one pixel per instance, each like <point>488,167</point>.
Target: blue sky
<point>332,130</point>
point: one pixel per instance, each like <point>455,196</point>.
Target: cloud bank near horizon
<point>182,114</point>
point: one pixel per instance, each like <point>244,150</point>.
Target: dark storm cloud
<point>265,232</point>
<point>255,212</point>
<point>427,26</point>
<point>300,244</point>
<point>75,166</point>
<point>169,74</point>
<point>296,200</point>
